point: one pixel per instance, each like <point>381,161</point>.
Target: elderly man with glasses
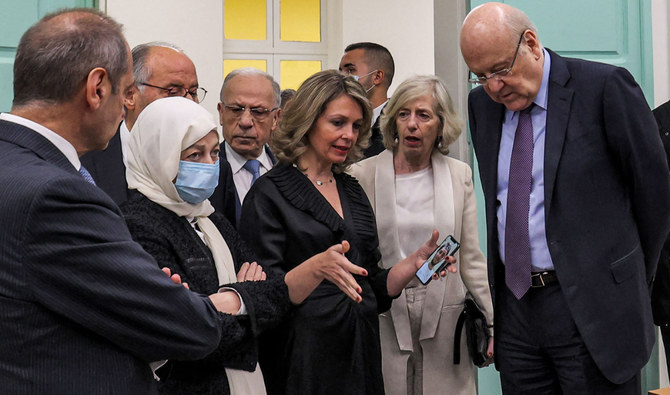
<point>160,70</point>
<point>248,112</point>
<point>577,197</point>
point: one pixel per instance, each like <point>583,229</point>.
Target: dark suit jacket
<point>83,308</point>
<point>225,199</point>
<point>108,170</point>
<point>607,204</point>
<point>171,240</point>
<point>660,296</point>
<point>376,141</point>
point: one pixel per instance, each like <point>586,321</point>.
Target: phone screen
<point>436,262</point>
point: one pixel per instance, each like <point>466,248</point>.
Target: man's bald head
<point>493,22</point>
<point>501,47</point>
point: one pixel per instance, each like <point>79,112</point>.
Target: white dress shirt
<point>241,176</point>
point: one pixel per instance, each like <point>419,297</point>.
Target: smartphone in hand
<point>437,261</point>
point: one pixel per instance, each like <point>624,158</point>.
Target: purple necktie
<point>517,242</point>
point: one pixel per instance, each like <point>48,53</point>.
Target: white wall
<point>195,26</point>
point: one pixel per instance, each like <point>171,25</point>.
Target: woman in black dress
<point>329,343</point>
<point>173,168</point>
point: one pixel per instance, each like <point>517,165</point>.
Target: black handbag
<point>476,334</point>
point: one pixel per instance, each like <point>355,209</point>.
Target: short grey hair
<point>276,90</point>
<point>57,53</point>
<point>412,89</point>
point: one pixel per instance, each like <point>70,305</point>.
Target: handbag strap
<point>457,335</point>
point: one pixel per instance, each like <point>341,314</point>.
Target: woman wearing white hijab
<point>173,165</point>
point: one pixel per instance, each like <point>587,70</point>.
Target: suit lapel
<point>444,215</point>
<point>238,204</point>
<point>559,102</point>
<point>386,222</point>
<point>30,139</point>
<point>272,157</point>
<point>489,144</point>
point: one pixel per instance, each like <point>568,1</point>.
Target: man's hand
<point>226,301</point>
<point>174,277</point>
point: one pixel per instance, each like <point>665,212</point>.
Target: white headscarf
<point>163,130</point>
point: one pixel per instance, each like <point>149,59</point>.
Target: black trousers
<point>540,351</point>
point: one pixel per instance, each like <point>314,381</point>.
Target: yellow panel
<point>245,20</point>
<point>232,64</point>
<point>294,72</point>
<point>300,20</point>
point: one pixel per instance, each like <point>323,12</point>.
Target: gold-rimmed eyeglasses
<point>496,75</point>
<point>258,113</point>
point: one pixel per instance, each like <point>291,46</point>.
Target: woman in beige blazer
<point>413,188</point>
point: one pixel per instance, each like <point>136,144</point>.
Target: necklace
<point>320,183</point>
<point>317,182</point>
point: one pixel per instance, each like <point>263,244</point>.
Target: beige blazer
<point>454,196</point>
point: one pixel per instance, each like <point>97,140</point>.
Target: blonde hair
<point>412,89</point>
<point>290,141</point>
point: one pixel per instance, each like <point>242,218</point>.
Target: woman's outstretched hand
<point>336,268</point>
<point>424,252</point>
<point>330,265</point>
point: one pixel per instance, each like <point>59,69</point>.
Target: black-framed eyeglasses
<point>258,113</point>
<point>497,75</point>
<point>198,94</point>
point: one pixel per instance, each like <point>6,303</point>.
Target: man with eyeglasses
<point>577,197</point>
<point>160,70</point>
<point>248,112</point>
<point>372,66</point>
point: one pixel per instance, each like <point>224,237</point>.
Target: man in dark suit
<point>83,309</point>
<point>577,196</point>
<point>248,112</point>
<point>660,296</point>
<point>160,70</point>
<point>372,65</point>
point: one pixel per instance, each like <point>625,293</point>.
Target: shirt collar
<point>237,161</point>
<point>57,140</point>
<point>377,111</point>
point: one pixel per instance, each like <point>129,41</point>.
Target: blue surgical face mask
<point>196,181</point>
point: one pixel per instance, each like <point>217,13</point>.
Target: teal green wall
<point>15,18</point>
